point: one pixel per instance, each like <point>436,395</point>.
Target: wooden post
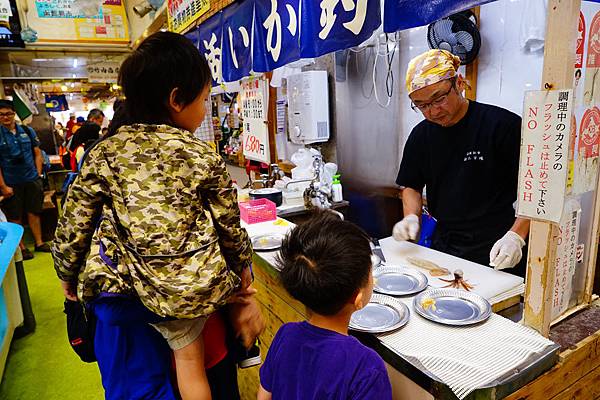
<point>272,118</point>
<point>559,60</point>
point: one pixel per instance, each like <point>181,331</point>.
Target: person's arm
<point>507,251</point>
<point>412,201</point>
<point>39,160</point>
<point>76,226</point>
<point>263,394</point>
<point>521,227</point>
<point>6,190</point>
<point>35,146</point>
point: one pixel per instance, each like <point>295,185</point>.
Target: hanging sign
<point>276,34</point>
<point>404,14</point>
<point>237,31</point>
<point>103,71</point>
<point>193,36</point>
<point>209,41</point>
<point>335,25</point>
<point>255,99</point>
<point>182,13</point>
<point>566,258</point>
<point>544,154</point>
<point>56,102</point>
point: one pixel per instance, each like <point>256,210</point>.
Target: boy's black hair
<point>164,61</point>
<point>324,261</point>
<point>7,104</point>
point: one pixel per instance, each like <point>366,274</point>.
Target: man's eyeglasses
<point>7,115</point>
<point>438,101</point>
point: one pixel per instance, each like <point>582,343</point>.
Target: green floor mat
<point>42,365</point>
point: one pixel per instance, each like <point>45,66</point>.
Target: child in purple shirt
<point>325,264</point>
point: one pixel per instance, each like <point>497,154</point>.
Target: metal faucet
<point>275,175</point>
<point>299,181</point>
<point>263,182</point>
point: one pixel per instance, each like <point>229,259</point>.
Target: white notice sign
<point>544,154</point>
<point>103,71</point>
<point>566,258</point>
<point>255,101</point>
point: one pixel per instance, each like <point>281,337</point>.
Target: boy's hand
<point>247,321</point>
<point>247,278</point>
<point>69,290</point>
<point>243,296</point>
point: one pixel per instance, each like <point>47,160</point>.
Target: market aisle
<point>42,365</point>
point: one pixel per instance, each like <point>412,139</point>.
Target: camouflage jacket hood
<point>153,213</point>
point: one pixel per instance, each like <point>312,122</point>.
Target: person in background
<point>21,175</point>
<point>85,136</point>
<point>59,135</point>
<point>152,221</point>
<point>70,124</point>
<point>60,129</point>
<point>325,264</point>
<point>467,156</point>
<point>78,124</point>
<point>104,132</point>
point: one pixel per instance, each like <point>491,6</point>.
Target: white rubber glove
<point>407,229</point>
<point>507,252</point>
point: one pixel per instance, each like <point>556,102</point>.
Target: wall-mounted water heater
<point>308,107</point>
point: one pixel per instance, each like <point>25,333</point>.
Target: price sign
<point>255,100</point>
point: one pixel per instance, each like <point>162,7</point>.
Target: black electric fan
<point>458,34</point>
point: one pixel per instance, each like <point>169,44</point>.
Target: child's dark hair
<point>164,61</point>
<point>324,261</point>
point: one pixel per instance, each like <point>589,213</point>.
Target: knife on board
<point>376,249</point>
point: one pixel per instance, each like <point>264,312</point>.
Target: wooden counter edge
<point>574,365</point>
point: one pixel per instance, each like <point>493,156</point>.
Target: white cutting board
<point>488,282</point>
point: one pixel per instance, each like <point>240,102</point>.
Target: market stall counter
<point>11,310</point>
<point>425,360</point>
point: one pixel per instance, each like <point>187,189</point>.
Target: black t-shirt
<point>470,169</point>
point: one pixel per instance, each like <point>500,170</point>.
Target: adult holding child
<point>156,210</point>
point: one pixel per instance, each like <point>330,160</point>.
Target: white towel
<point>465,358</point>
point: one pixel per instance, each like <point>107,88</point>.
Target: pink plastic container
<point>255,211</point>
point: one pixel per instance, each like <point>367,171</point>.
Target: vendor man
<point>466,155</point>
<point>21,183</point>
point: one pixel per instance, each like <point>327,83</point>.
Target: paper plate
<point>398,281</point>
<point>268,242</point>
<point>452,306</point>
<point>382,314</point>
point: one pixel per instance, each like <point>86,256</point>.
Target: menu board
<point>544,154</point>
<point>111,26</point>
<point>255,100</point>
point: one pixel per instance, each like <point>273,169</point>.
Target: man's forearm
<point>39,160</point>
<point>412,201</point>
<point>521,227</point>
<point>2,181</point>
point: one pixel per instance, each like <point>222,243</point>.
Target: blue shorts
<point>134,359</point>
